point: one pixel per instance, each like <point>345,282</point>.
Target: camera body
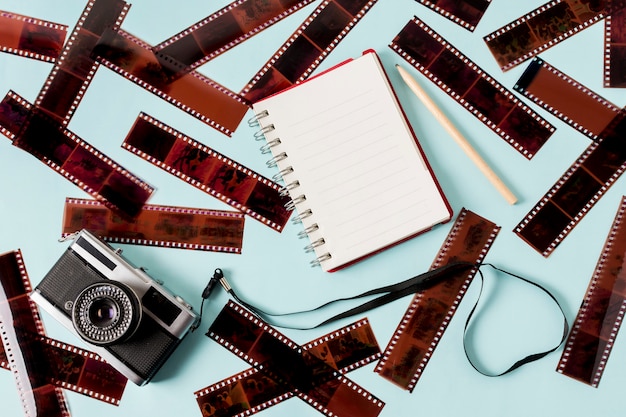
<point>126,316</point>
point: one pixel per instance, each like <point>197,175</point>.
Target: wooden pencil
<point>457,136</point>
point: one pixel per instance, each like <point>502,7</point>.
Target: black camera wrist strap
<point>393,292</point>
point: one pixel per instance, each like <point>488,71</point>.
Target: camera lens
<point>105,313</point>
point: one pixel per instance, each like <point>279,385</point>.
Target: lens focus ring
<point>105,313</point>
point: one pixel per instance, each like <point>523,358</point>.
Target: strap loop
<point>530,358</point>
<point>413,285</point>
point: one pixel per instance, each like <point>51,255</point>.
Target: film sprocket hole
<point>129,318</point>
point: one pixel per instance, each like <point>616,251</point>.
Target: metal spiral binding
<point>291,205</point>
<point>284,191</point>
<point>310,248</point>
<point>275,160</point>
<point>304,233</point>
<point>282,173</point>
<point>322,258</point>
<point>254,120</point>
<point>259,135</point>
<point>298,219</point>
<point>267,148</point>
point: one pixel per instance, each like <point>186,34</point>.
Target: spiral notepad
<point>350,162</point>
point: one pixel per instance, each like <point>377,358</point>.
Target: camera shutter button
<point>182,301</point>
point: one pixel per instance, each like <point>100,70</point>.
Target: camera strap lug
<point>71,236</point>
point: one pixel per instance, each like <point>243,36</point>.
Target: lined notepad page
<point>356,160</point>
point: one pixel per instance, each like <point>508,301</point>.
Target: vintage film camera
<point>129,318</point>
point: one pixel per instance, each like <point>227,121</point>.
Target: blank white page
<point>356,159</point>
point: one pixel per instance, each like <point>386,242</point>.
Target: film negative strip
<point>466,13</point>
<point>420,330</point>
<point>541,29</point>
<point>39,397</point>
<point>40,130</point>
<point>570,101</point>
<point>193,93</point>
<point>243,394</point>
<point>577,191</point>
<point>83,372</point>
<point>14,112</point>
<point>253,390</point>
<point>597,323</point>
<point>615,45</point>
<point>74,69</point>
<point>20,326</point>
<point>30,37</point>
<point>156,225</point>
<point>54,364</point>
<point>209,171</point>
<point>460,78</point>
<point>305,50</point>
<point>77,370</point>
<point>221,31</point>
<point>294,369</point>
<point>72,157</point>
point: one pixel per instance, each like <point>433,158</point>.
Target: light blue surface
<point>273,270</point>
